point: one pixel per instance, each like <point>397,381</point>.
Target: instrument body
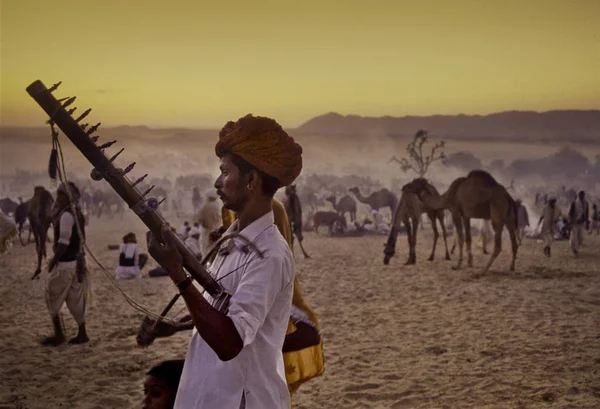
<point>146,210</point>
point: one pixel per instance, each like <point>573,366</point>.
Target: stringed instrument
<point>146,208</point>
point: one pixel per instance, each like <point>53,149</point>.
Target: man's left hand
<point>166,254</point>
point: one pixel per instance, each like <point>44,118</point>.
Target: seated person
<point>160,385</point>
<point>131,260</point>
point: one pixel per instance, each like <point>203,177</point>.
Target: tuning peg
<point>84,126</point>
<point>148,191</point>
<point>93,128</point>
<point>69,102</point>
<point>70,111</point>
<point>95,138</point>
<point>96,175</point>
<point>86,113</point>
<point>107,145</point>
<point>128,168</point>
<point>55,86</point>
<point>152,203</point>
<point>116,154</point>
<point>140,180</point>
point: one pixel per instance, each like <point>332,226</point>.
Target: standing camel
<point>40,218</point>
<point>377,200</point>
<point>345,205</point>
<point>477,196</point>
<point>409,211</point>
<point>293,208</point>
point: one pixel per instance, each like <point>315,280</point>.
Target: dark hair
<point>270,185</point>
<point>129,238</point>
<point>169,372</point>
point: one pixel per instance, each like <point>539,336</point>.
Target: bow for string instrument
<point>145,208</point>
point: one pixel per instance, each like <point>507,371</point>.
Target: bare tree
<point>417,160</point>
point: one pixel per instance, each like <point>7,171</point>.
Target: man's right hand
<point>164,329</point>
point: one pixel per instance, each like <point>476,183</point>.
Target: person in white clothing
<point>579,216</point>
<point>183,231</point>
<point>234,359</point>
<point>131,259</point>
<point>550,217</point>
<point>67,280</point>
<point>193,242</point>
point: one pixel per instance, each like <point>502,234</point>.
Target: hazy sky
<point>200,63</point>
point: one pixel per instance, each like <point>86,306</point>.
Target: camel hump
<point>483,175</point>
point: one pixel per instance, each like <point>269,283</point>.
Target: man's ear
<point>253,180</point>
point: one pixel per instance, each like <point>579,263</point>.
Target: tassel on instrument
<point>53,164</point>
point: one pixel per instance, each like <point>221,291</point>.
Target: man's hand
<point>165,254</point>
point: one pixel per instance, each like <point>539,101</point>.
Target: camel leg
<point>302,248</point>
<point>468,239</point>
<point>497,245</point>
<point>415,231</point>
<point>40,243</point>
<point>515,248</point>
<point>409,236</point>
<point>445,236</point>
<point>436,235</point>
<point>21,234</point>
<point>390,246</point>
<point>299,236</point>
<point>459,232</point>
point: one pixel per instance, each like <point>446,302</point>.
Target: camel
<point>293,208</point>
<point>345,205</point>
<point>378,199</point>
<point>328,219</point>
<point>476,196</point>
<point>104,201</point>
<point>8,206</point>
<point>40,217</point>
<point>409,211</point>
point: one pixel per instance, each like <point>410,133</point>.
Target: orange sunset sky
<point>201,63</point>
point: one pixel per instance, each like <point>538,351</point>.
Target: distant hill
<point>551,125</point>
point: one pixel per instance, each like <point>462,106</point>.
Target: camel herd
<point>475,196</point>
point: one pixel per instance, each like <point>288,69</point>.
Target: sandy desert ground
<point>395,337</point>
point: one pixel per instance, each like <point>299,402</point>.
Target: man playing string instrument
<point>234,360</point>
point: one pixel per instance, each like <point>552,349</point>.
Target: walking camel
<point>409,211</point>
<point>293,208</point>
<point>476,196</point>
<point>345,205</point>
<point>378,199</point>
<point>40,218</point>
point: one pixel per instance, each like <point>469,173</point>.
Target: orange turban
<point>264,144</point>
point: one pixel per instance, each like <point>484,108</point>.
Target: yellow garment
<point>305,364</point>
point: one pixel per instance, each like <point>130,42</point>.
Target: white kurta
<point>131,250</point>
<point>260,309</point>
